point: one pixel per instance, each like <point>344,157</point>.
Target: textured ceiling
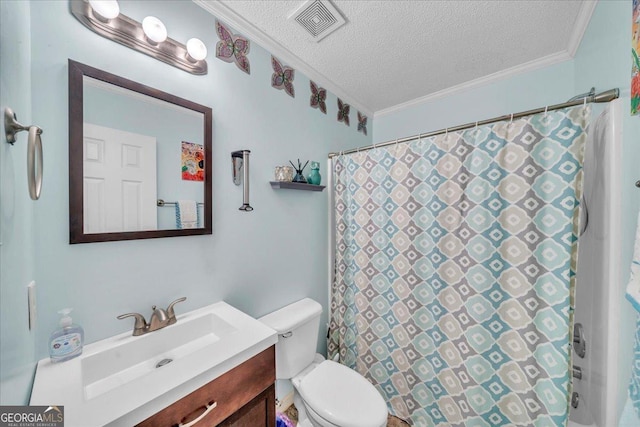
<point>392,52</point>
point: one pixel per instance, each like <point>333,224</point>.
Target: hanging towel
<point>186,214</point>
<point>633,288</point>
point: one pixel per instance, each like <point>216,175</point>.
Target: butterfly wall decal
<point>362,123</point>
<point>318,97</point>
<point>343,112</point>
<point>282,77</point>
<point>232,48</point>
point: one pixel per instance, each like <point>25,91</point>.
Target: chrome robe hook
<point>34,150</point>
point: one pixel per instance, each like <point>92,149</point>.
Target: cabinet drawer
<point>229,392</point>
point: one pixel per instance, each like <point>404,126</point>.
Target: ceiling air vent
<point>319,18</point>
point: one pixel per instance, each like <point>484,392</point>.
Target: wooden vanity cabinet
<point>242,397</point>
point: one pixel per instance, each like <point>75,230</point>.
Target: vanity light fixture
<point>149,37</point>
<point>105,10</point>
<point>154,29</point>
<point>196,49</point>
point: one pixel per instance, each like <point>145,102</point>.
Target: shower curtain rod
<point>606,96</point>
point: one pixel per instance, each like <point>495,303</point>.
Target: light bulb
<point>196,49</point>
<point>105,9</point>
<point>154,29</point>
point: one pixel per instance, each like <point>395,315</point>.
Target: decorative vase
<point>299,172</point>
<point>314,176</point>
<point>299,178</point>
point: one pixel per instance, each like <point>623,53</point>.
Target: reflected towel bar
<point>162,203</point>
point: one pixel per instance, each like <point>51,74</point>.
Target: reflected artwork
<point>192,162</point>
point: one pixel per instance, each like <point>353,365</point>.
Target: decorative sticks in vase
<point>299,175</point>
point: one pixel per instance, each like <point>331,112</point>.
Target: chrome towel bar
<point>34,150</point>
<point>162,203</point>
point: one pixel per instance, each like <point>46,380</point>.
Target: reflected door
<point>119,173</point>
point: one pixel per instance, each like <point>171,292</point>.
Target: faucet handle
<point>139,326</point>
<point>171,313</point>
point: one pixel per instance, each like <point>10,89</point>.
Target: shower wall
<point>598,276</point>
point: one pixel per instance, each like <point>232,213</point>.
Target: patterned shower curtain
<point>455,263</point>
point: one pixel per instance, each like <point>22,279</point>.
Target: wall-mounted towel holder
<point>34,150</point>
<point>240,164</point>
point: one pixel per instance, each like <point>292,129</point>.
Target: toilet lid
<point>343,396</point>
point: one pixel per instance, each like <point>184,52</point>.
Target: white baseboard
<point>285,402</point>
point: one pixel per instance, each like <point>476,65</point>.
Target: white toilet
<point>326,393</point>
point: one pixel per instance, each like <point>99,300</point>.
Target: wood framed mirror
<point>135,154</point>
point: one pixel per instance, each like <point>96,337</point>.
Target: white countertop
<point>136,400</point>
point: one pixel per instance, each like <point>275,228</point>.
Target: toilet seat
<point>342,396</point>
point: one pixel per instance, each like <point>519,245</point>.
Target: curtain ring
<point>545,110</point>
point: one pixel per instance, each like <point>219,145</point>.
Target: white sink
<point>119,364</point>
<point>118,381</point>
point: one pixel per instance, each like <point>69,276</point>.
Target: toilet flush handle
<point>287,334</point>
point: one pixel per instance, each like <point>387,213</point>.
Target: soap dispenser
<point>66,342</point>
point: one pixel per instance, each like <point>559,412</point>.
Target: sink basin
<point>122,380</point>
<point>116,365</point>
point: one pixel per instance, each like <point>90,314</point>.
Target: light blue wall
<point>16,209</point>
<point>256,261</point>
<point>603,60</point>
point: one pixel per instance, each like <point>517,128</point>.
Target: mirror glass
<point>139,160</point>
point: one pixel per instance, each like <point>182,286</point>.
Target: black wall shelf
<point>296,186</point>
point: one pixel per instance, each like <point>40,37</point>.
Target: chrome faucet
<point>158,320</point>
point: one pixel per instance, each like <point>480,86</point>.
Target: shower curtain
<point>454,270</point>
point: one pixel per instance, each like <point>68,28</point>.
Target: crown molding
<point>230,17</point>
<point>580,26</point>
<point>543,62</point>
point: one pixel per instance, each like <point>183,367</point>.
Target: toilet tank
<point>297,325</point>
